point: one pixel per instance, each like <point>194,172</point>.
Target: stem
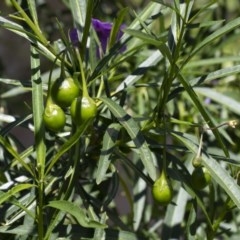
<point>218,221</point>
<point>164,149</point>
<point>231,123</point>
<point>39,132</point>
<point>66,189</point>
<point>100,89</point>
<point>200,145</point>
<point>84,84</point>
<point>35,28</point>
<point>40,208</point>
<point>173,71</point>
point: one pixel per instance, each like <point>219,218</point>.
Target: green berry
<point>64,91</point>
<point>54,117</point>
<point>82,109</point>
<point>201,177</point>
<point>162,190</point>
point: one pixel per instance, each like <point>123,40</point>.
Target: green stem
<point>66,189</point>
<point>40,209</point>
<point>164,148</point>
<point>35,28</point>
<point>218,221</point>
<point>100,89</point>
<point>37,102</point>
<point>173,71</point>
<point>84,83</point>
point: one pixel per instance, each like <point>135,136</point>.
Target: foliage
<point>162,100</point>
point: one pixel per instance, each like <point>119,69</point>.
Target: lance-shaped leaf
<point>134,132</point>
<point>220,175</point>
<point>76,212</point>
<point>109,141</point>
<point>4,196</point>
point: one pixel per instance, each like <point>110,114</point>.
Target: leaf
<point>212,61</point>
<point>220,175</point>
<point>19,230</point>
<point>78,9</point>
<point>68,144</point>
<point>10,149</point>
<point>109,140</point>
<point>33,11</point>
<point>191,222</point>
<point>25,210</point>
<point>145,15</point>
<point>4,196</point>
<point>147,38</point>
<point>183,176</point>
<point>175,213</point>
<point>134,132</point>
<point>222,99</point>
<point>150,10</point>
<point>19,30</point>
<point>139,203</point>
<point>203,111</point>
<point>116,28</point>
<point>218,33</point>
<point>152,60</point>
<point>121,235</point>
<point>76,212</point>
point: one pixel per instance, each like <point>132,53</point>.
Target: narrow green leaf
<point>5,196</point>
<point>152,60</point>
<point>78,9</point>
<point>203,111</point>
<point>19,30</point>
<point>220,175</point>
<point>194,195</point>
<point>32,9</point>
<point>146,14</point>
<point>77,212</point>
<point>17,203</point>
<point>109,141</point>
<point>121,235</point>
<point>87,24</point>
<point>139,204</point>
<point>224,72</point>
<point>191,232</point>
<point>175,214</point>
<point>14,92</point>
<point>212,61</point>
<point>220,98</point>
<point>13,82</point>
<point>147,38</point>
<point>19,230</point>
<point>10,149</point>
<point>68,144</point>
<point>218,33</point>
<point>134,132</point>
<point>117,26</point>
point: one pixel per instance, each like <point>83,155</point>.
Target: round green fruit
<point>200,178</point>
<point>64,91</point>
<point>54,117</point>
<point>82,109</point>
<point>162,190</point>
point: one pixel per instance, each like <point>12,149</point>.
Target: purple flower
<point>73,35</point>
<point>103,30</point>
